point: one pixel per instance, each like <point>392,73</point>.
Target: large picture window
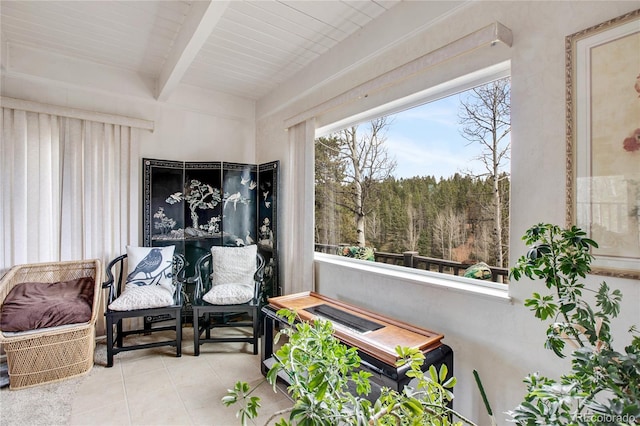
<point>425,187</point>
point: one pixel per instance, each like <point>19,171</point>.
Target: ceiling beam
<point>198,25</point>
<point>488,36</point>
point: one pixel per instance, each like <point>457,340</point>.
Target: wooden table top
<point>380,343</point>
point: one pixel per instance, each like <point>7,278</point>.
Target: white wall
<point>501,340</point>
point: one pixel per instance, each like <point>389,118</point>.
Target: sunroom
<point>256,82</point>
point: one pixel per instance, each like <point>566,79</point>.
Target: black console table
<point>375,336</point>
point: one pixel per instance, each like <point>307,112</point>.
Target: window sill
<point>495,291</point>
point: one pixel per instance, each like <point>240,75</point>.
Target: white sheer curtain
<point>299,190</point>
<point>68,188</point>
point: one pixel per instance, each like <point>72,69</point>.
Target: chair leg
<point>178,334</point>
<point>207,325</point>
<point>147,326</point>
<point>119,333</point>
<point>196,333</point>
<point>203,322</point>
<point>256,330</point>
<point>109,343</point>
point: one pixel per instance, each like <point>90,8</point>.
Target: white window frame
<point>414,275</point>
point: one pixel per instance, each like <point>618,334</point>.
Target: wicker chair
<point>57,353</point>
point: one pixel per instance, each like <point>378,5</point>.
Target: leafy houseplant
<point>603,386</point>
<point>320,370</point>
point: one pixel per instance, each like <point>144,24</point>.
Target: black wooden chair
<point>218,303</point>
<point>154,319</point>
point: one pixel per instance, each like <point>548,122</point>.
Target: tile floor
<point>154,387</point>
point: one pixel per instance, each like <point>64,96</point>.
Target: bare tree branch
<point>366,162</point>
<point>486,119</point>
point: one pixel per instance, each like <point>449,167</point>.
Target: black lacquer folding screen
<point>267,221</point>
<point>197,205</point>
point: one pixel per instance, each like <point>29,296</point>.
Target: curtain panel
<point>68,188</point>
<point>298,236</point>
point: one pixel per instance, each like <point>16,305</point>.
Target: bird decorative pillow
<point>149,281</point>
<point>150,266</point>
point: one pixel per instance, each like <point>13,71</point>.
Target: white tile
<point>154,387</point>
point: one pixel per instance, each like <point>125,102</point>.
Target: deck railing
<point>411,259</point>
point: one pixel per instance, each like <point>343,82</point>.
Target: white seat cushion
<point>143,297</point>
<point>228,294</point>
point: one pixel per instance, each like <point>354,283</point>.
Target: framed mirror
<point>603,141</point>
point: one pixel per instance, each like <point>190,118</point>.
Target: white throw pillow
<point>232,273</point>
<point>233,265</point>
<point>149,282</point>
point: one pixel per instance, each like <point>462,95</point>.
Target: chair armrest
<point>258,277</point>
<point>260,262</point>
<point>114,284</point>
<point>202,276</point>
<point>110,283</point>
<point>177,295</point>
<point>179,270</point>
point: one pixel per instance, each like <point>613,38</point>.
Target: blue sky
<point>425,141</point>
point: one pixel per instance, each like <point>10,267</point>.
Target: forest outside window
<point>426,187</point>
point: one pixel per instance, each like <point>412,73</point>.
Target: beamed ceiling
<point>243,48</point>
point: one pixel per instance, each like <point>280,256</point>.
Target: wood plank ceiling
<point>244,48</point>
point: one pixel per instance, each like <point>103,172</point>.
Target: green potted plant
<point>603,386</point>
<point>328,388</point>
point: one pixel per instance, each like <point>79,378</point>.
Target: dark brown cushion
<point>30,306</point>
